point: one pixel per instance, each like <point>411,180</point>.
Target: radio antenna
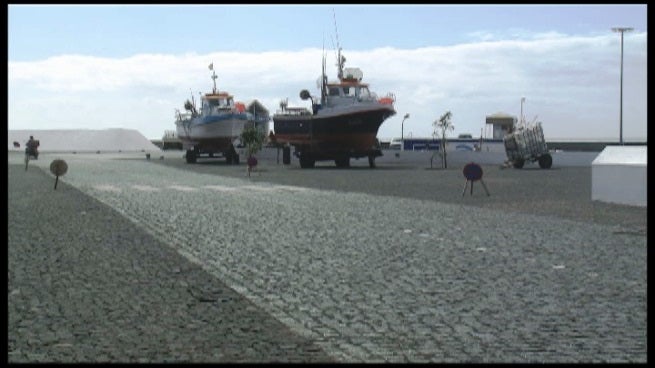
<point>340,59</point>
<point>336,31</point>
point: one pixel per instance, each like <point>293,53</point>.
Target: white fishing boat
<point>215,128</point>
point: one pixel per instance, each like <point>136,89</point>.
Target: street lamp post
<point>621,30</point>
<point>402,136</point>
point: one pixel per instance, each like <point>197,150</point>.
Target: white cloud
<point>571,83</point>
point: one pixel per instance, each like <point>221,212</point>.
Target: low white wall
<point>619,184</point>
<point>619,175</point>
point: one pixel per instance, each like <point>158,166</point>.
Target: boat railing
<point>184,116</point>
<point>372,96</point>
<point>389,99</point>
<point>294,111</point>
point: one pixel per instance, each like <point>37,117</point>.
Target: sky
<point>132,66</point>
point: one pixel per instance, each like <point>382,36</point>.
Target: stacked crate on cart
<point>527,144</point>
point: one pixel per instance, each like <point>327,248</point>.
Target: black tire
<point>518,164</point>
<point>371,162</point>
<point>342,162</point>
<point>286,155</point>
<point>306,162</point>
<point>545,161</point>
<point>231,156</point>
<point>190,156</point>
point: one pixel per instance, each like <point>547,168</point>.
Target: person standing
<point>32,145</point>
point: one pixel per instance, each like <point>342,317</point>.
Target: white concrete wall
<point>619,175</point>
<point>619,184</point>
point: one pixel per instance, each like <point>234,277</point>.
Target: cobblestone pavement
<point>563,191</point>
<point>87,285</point>
<point>367,278</point>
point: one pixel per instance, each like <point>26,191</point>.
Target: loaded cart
<point>527,144</point>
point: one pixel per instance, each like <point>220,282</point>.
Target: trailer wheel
<point>371,162</point>
<point>342,162</point>
<point>306,161</point>
<point>190,156</point>
<point>545,161</point>
<point>518,164</point>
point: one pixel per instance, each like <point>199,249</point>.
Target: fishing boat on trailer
<point>215,128</point>
<point>342,124</point>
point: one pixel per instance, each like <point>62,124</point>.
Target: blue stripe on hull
<point>219,118</point>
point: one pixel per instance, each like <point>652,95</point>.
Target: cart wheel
<point>519,163</point>
<point>545,161</point>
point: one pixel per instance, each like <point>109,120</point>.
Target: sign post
<point>252,163</point>
<point>57,168</point>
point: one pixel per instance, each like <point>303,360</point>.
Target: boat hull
<point>211,134</point>
<point>329,136</point>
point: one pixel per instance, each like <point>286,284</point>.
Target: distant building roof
<point>501,119</point>
<point>501,115</point>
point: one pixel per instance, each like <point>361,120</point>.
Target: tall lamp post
<point>402,136</point>
<point>621,30</point>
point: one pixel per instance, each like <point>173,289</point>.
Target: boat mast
<point>211,67</point>
<point>522,122</point>
<point>323,81</point>
<point>340,59</point>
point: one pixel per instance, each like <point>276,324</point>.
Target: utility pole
<point>402,136</point>
<point>621,30</point>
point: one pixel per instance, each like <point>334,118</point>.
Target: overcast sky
<point>120,66</point>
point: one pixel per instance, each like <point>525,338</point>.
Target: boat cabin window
<point>349,91</point>
<point>214,105</point>
<point>334,91</point>
<point>206,106</point>
<point>364,92</point>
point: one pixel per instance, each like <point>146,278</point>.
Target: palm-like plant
<point>253,139</point>
<point>444,124</point>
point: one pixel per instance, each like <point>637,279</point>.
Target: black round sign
<point>58,167</point>
<point>472,171</point>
